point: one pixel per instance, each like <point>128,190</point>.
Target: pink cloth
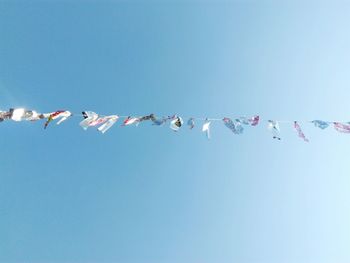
<point>300,132</point>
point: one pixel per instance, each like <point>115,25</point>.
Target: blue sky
<point>147,194</point>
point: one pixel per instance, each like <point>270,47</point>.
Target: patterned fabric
<point>131,120</point>
<point>253,121</point>
<point>300,132</point>
<point>190,123</point>
<point>99,121</point>
<point>111,120</point>
<point>340,127</point>
<point>147,118</point>
<point>176,123</point>
<point>320,124</point>
<point>89,116</point>
<point>236,127</point>
<point>64,115</point>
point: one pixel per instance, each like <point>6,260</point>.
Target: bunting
<point>253,121</point>
<point>111,120</point>
<point>176,123</point>
<point>190,123</point>
<point>235,127</point>
<point>300,132</point>
<point>63,115</point>
<point>274,128</point>
<point>104,122</point>
<point>340,127</point>
<point>131,120</point>
<point>320,124</point>
<point>89,117</point>
<point>206,128</point>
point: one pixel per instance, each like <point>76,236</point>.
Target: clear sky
<point>147,194</point>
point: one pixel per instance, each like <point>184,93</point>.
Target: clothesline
<point>213,119</point>
<point>105,122</point>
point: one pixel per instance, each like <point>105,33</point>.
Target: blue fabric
<point>320,124</point>
<point>236,127</point>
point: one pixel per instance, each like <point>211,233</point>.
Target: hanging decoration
<point>341,127</point>
<point>63,115</point>
<point>176,123</point>
<point>274,127</point>
<point>190,123</point>
<point>206,128</point>
<point>111,120</point>
<point>320,124</point>
<point>131,120</point>
<point>236,127</point>
<point>104,122</point>
<point>253,121</point>
<point>89,118</point>
<point>160,121</point>
<point>299,131</point>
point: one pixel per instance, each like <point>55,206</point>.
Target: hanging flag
<point>30,115</point>
<point>21,115</point>
<point>158,121</point>
<point>176,123</point>
<point>320,124</point>
<point>190,123</point>
<point>17,114</point>
<point>206,128</point>
<point>92,119</point>
<point>274,127</point>
<point>253,121</point>
<point>340,127</point>
<point>57,114</point>
<point>89,117</point>
<point>109,123</point>
<point>146,118</point>
<point>3,115</point>
<point>6,115</point>
<point>95,120</point>
<point>131,120</point>
<point>236,127</point>
<point>300,132</point>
